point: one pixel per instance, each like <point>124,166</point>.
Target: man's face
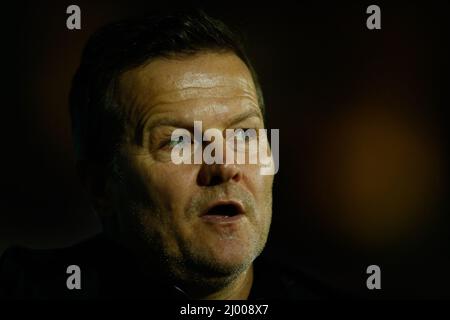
<point>180,210</point>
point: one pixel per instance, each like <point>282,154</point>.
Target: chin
<point>230,266</point>
<point>210,275</point>
<point>226,260</point>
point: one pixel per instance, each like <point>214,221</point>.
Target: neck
<point>237,289</point>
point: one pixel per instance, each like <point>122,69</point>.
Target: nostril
<point>215,180</point>
<point>207,177</point>
<point>210,180</point>
<point>216,174</point>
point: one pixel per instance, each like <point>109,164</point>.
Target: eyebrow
<point>244,116</point>
<point>189,125</point>
<point>177,123</point>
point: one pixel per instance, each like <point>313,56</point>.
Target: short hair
<point>121,46</point>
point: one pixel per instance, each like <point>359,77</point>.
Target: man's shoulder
<point>38,273</point>
<point>28,273</point>
<point>276,279</point>
<point>24,257</point>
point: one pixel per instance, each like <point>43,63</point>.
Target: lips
<point>223,211</point>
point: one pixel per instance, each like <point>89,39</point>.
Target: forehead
<point>191,87</point>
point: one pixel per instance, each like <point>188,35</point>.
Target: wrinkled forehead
<point>207,82</point>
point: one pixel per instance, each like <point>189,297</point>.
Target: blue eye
<point>241,134</point>
<point>173,143</point>
<point>177,140</point>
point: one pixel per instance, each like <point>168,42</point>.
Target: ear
<point>96,182</point>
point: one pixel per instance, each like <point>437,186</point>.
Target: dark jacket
<point>109,271</point>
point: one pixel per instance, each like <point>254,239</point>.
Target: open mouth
<point>223,212</point>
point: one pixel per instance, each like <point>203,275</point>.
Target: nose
<point>215,174</point>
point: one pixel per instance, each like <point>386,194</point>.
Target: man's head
<point>138,82</point>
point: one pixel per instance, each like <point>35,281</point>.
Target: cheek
<point>171,185</point>
<point>167,190</point>
<point>259,185</point>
